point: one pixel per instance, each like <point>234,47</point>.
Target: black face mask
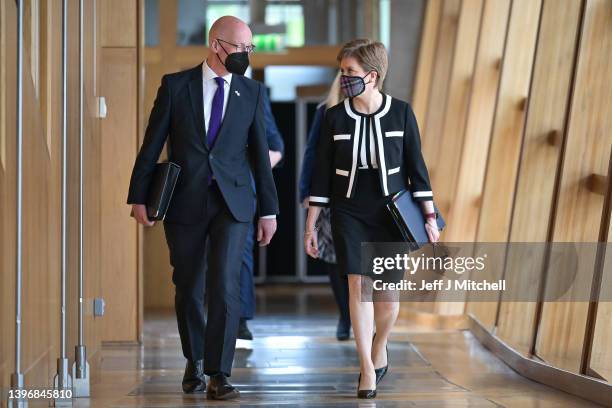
<point>236,62</point>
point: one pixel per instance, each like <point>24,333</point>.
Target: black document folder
<point>409,218</point>
<point>160,191</point>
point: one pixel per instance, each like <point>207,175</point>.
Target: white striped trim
<point>357,119</point>
<point>372,148</point>
<point>381,147</point>
<point>344,173</point>
<point>393,171</point>
<point>395,133</point>
<point>422,194</point>
<point>342,137</point>
<point>316,199</point>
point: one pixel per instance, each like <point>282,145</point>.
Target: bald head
<point>231,29</point>
<point>228,35</point>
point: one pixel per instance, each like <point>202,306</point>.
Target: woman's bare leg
<point>385,316</point>
<point>362,320</point>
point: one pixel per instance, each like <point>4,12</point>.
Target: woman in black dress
<point>368,150</point>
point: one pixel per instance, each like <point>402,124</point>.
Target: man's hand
<point>266,227</point>
<point>140,213</point>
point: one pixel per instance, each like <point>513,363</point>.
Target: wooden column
<point>579,202</point>
<point>539,167</point>
<point>506,139</point>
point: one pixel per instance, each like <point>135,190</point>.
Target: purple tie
<point>215,117</point>
<point>216,113</point>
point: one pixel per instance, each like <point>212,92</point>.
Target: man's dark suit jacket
<point>178,115</point>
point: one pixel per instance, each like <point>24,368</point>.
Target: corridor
<point>296,361</point>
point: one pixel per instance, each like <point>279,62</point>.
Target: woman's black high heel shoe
<point>365,394</point>
<point>380,372</point>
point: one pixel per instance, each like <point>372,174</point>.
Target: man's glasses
<point>240,47</point>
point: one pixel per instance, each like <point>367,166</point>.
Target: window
<point>220,8</point>
<point>151,23</point>
<point>291,16</point>
<point>385,22</point>
<point>194,18</point>
<point>283,80</point>
<point>282,21</point>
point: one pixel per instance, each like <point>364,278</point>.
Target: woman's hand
<point>311,244</point>
<point>431,226</point>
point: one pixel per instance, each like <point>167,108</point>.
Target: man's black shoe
<point>219,388</point>
<point>243,330</point>
<point>194,379</point>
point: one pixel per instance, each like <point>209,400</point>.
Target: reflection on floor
<point>296,361</point>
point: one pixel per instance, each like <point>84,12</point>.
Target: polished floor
<point>296,361</point>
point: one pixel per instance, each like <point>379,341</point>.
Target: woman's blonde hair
<point>335,95</point>
<point>371,55</point>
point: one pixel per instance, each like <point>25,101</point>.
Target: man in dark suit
<point>212,117</point>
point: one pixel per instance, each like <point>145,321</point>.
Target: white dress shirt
<point>209,87</point>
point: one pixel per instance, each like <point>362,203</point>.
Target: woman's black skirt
<point>363,218</point>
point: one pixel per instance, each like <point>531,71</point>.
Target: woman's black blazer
<point>398,152</point>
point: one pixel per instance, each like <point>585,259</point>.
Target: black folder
<point>409,218</point>
<point>160,191</point>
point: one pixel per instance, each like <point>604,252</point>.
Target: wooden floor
<point>296,361</point>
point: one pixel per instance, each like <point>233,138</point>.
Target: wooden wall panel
<point>450,140</point>
<point>158,287</point>
<point>506,138</point>
<point>600,363</point>
<point>466,201</point>
<point>601,354</point>
<point>41,188</point>
<point>40,279</point>
<point>579,206</point>
<point>460,83</point>
<point>119,232</point>
<point>7,202</point>
<point>426,60</point>
<point>538,169</point>
<point>3,61</point>
<point>432,126</point>
<point>118,23</point>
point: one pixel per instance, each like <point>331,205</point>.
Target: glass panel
<point>385,22</point>
<point>191,22</point>
<point>292,17</point>
<point>194,18</point>
<point>151,23</point>
<point>286,23</point>
<point>282,80</point>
